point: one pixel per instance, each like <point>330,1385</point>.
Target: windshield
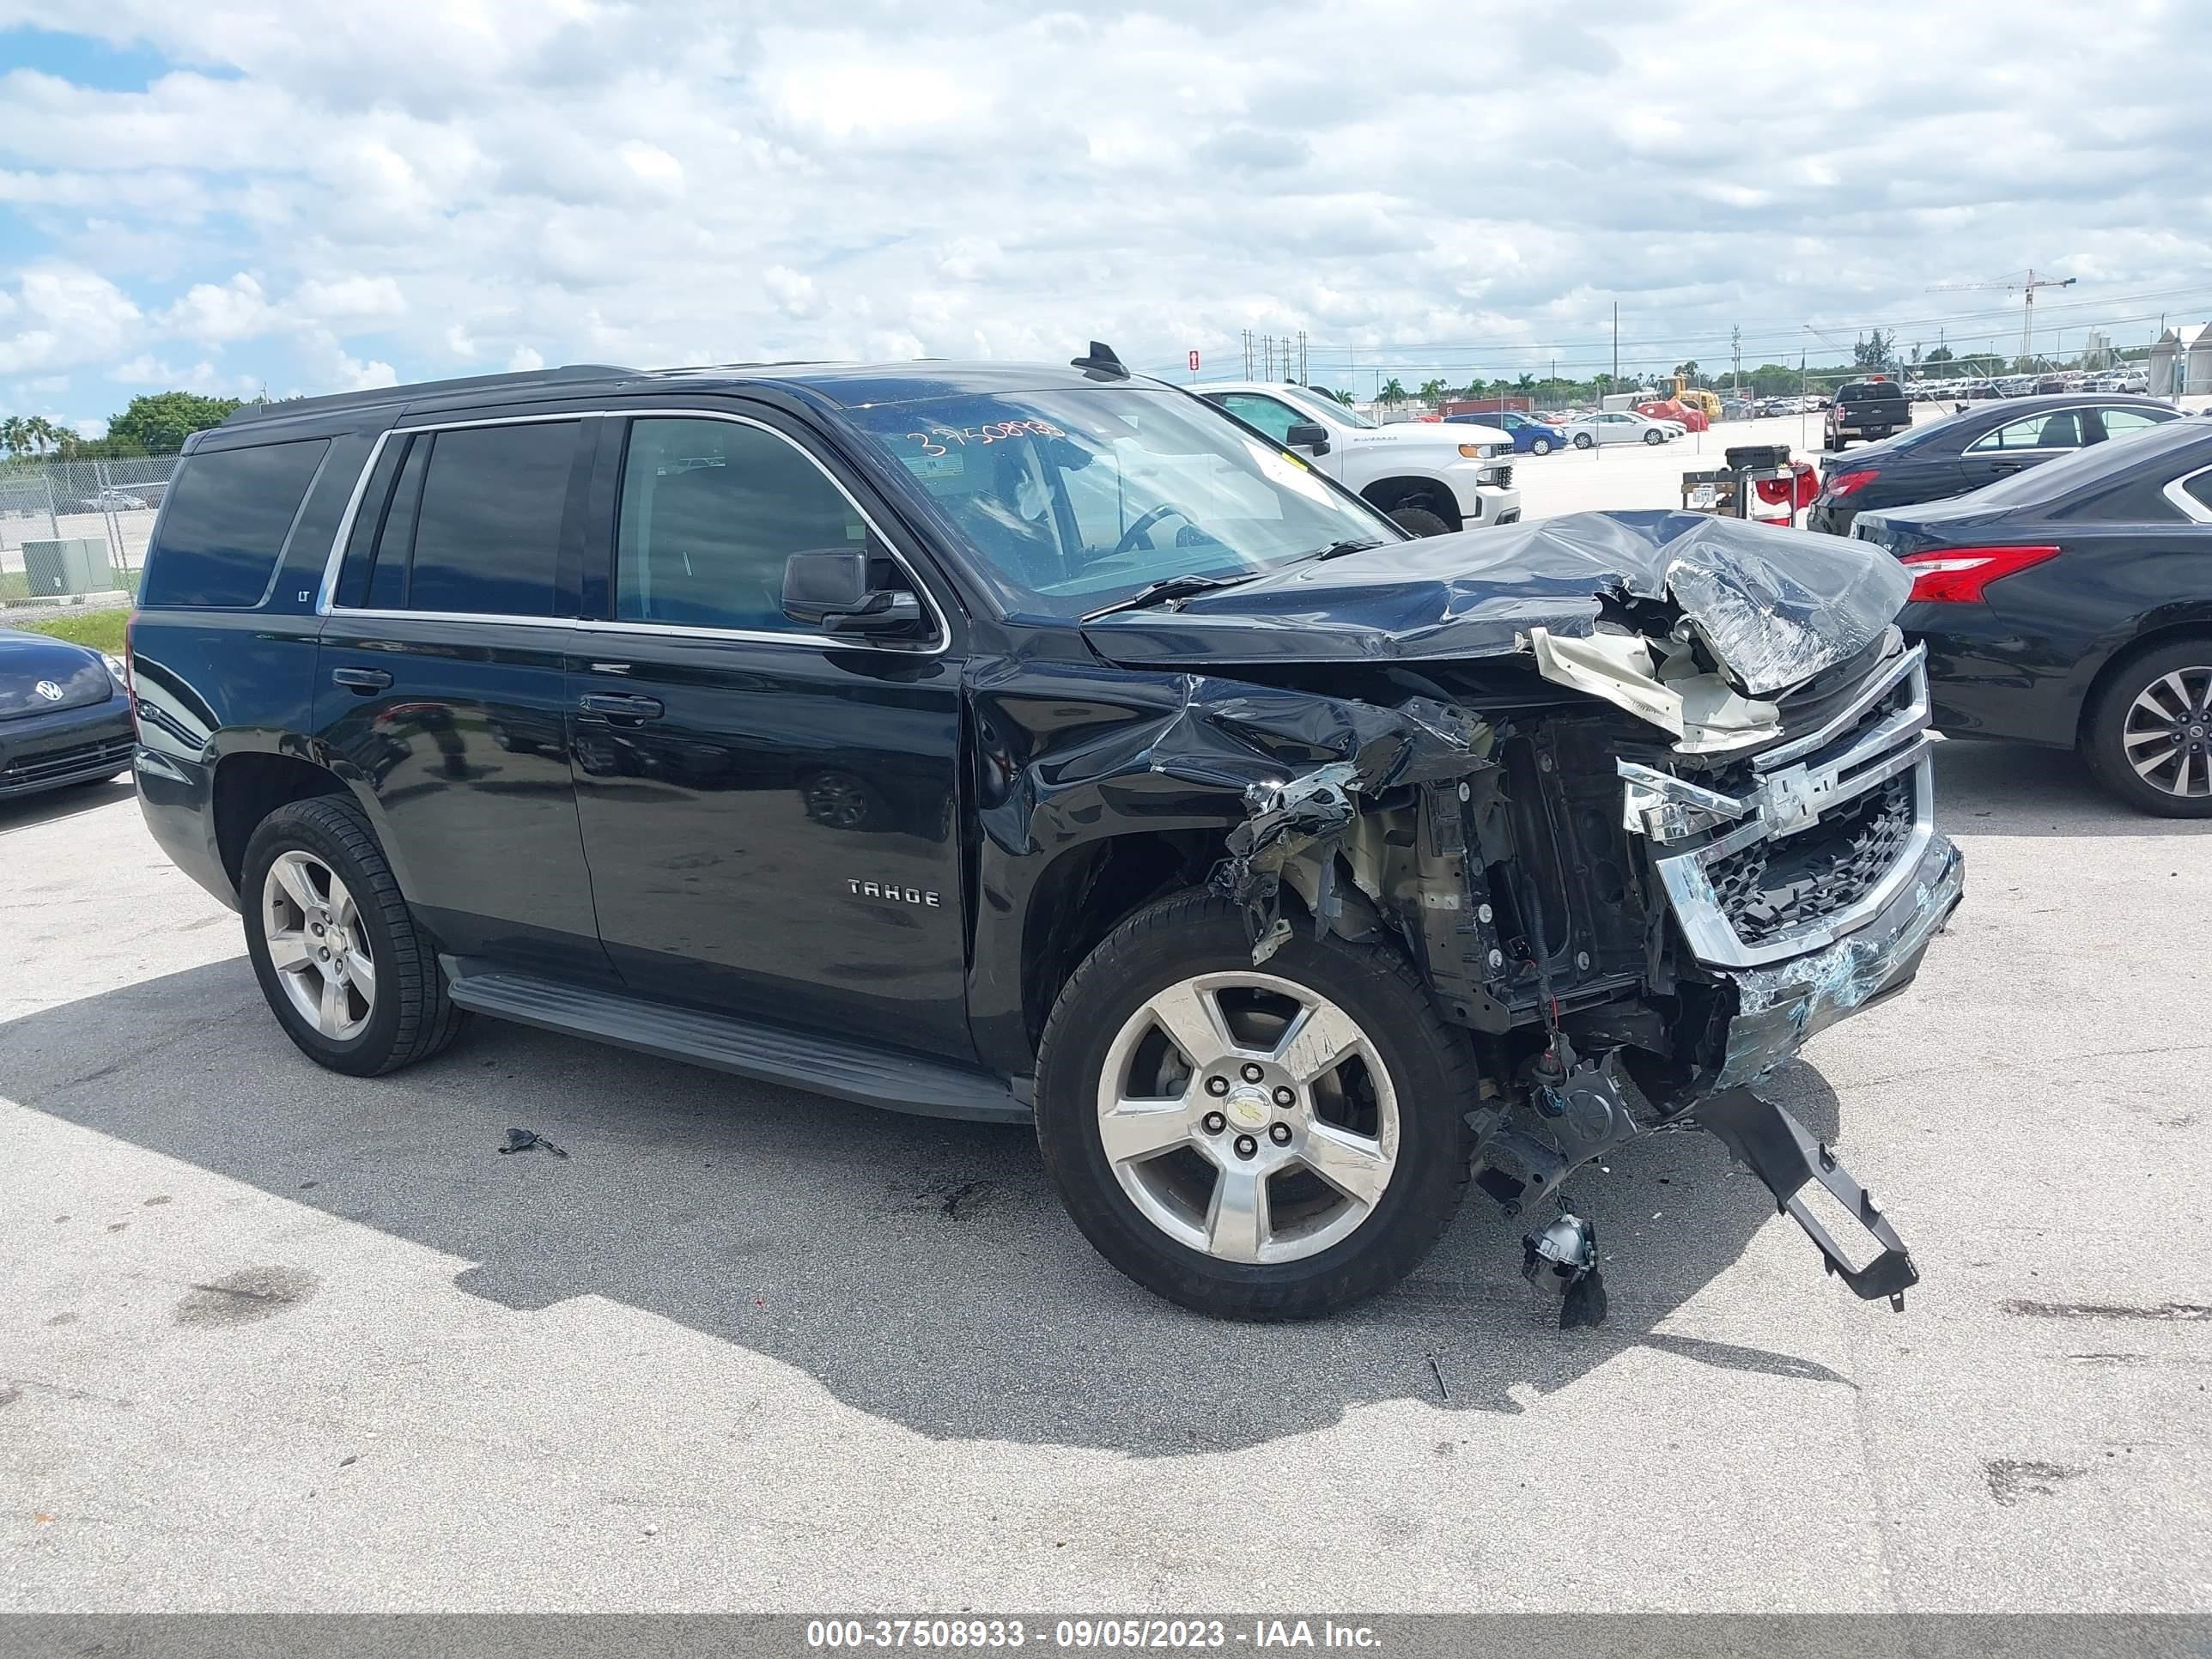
<point>1344,413</point>
<point>1072,499</point>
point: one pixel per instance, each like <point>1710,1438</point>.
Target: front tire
<point>2148,736</point>
<point>1262,1143</point>
<point>1540,446</point>
<point>1654,436</point>
<point>1420,521</point>
<point>354,983</point>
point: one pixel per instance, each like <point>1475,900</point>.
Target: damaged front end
<point>1647,798</point>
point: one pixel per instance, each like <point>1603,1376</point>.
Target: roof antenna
<point>1102,364</point>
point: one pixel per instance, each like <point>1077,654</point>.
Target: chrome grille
<point>1828,834</point>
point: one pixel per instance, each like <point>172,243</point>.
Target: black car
<point>64,715</point>
<point>1976,447</point>
<point>2072,606</point>
<point>1866,409</point>
<point>1046,745</point>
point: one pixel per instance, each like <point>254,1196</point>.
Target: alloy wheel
<point>2167,735</point>
<point>318,946</point>
<point>1247,1117</point>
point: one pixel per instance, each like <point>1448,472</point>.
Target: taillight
<point>1960,575</point>
<point>1843,483</point>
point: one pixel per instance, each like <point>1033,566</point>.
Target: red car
<point>1665,409</point>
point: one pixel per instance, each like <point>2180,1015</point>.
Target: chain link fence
<point>74,529</point>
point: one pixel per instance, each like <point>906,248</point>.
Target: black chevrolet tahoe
<point>1045,745</point>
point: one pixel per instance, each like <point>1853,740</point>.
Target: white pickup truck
<point>1428,477</point>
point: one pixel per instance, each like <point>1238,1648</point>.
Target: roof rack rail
<point>399,394</point>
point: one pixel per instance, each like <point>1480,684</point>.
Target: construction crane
<point>2024,286</point>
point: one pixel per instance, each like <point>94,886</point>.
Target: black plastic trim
<point>824,1066</point>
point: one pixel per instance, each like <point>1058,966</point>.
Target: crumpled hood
<point>28,661</point>
<point>1775,606</point>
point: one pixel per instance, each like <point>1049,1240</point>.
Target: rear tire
<point>2149,734</point>
<point>1584,440</point>
<point>1420,521</point>
<point>1174,1208</point>
<point>389,1007</point>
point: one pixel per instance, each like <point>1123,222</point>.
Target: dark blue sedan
<point>64,715</point>
<point>1530,437</point>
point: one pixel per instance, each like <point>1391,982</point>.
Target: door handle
<point>361,681</point>
<point>620,705</point>
<point>2006,466</point>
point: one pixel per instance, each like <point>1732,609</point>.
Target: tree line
<point>156,423</point>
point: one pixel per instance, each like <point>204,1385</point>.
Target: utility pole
<point>1736,355</point>
<point>1301,357</point>
<point>1616,342</point>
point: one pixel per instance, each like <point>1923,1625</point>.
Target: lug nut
<point>1284,1097</point>
<point>1246,1146</point>
<point>1213,1123</point>
<point>1281,1134</point>
<point>1217,1086</point>
<point>1253,1073</point>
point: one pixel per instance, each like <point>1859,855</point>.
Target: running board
<point>819,1064</point>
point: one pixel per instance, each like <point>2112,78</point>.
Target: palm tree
<point>15,435</point>
<point>43,432</point>
<point>1392,393</point>
<point>1433,392</point>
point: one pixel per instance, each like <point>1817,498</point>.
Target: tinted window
<point>2200,487</point>
<point>488,535</point>
<point>711,511</point>
<point>1271,416</point>
<point>2176,447</point>
<point>395,531</point>
<point>2061,430</point>
<point>224,524</point>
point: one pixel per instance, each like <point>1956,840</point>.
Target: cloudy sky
<point>231,194</point>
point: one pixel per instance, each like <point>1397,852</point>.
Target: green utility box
<point>75,564</point>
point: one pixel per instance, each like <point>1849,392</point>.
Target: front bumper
<point>1779,1006</point>
<point>1489,504</point>
<point>75,745</point>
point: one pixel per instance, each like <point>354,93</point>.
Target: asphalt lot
<point>276,1339</point>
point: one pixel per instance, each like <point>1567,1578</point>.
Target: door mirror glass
<point>842,591</point>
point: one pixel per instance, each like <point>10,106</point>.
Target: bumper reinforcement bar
<point>1776,1149</point>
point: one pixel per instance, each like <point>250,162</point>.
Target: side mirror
<point>844,591</point>
<point>1307,435</point>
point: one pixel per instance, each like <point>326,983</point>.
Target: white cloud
<point>324,195</point>
<point>216,314</point>
<point>62,315</point>
<point>523,359</point>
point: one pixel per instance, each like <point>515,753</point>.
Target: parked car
<point>1531,436</point>
<point>106,501</point>
<point>64,715</point>
<point>1276,941</point>
<point>1871,410</point>
<point>1429,478</point>
<point>1620,426</point>
<point>1966,451</point>
<point>2071,606</point>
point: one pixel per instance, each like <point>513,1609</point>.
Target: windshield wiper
<point>1172,587</point>
<point>1336,551</point>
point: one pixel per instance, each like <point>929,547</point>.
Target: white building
<point>2181,362</point>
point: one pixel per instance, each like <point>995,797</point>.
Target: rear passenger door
<point>771,814</point>
<point>2028,441</point>
<point>443,682</point>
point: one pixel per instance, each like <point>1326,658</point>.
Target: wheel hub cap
<point>2164,735</point>
<point>1247,1117</point>
<point>1249,1108</point>
<point>322,959</point>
